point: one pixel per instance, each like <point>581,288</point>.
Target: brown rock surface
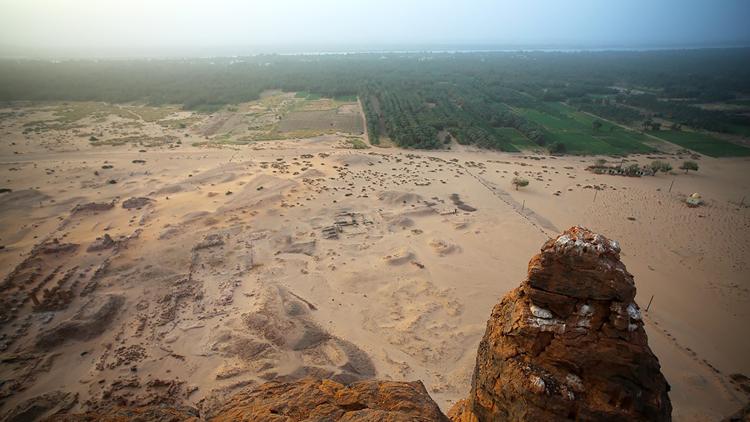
<point>307,399</point>
<point>568,344</point>
<point>328,400</point>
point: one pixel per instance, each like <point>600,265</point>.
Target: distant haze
<point>113,28</point>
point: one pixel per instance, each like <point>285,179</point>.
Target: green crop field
<point>575,130</point>
<point>703,143</point>
<point>516,138</point>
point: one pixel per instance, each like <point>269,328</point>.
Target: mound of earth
<point>400,222</point>
<point>261,190</point>
<point>44,405</point>
<point>138,202</point>
<point>93,207</point>
<point>443,248</point>
<point>356,160</point>
<point>101,243</point>
<point>312,174</point>
<point>399,198</point>
<point>399,257</point>
<point>90,321</point>
<point>22,199</point>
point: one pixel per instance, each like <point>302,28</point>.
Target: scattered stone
<point>136,202</point>
<point>93,207</point>
<point>209,241</point>
<point>101,243</point>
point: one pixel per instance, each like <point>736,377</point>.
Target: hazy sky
<point>158,24</point>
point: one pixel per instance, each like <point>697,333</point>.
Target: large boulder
<point>568,344</point>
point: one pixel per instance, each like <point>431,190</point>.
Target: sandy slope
<point>229,279</point>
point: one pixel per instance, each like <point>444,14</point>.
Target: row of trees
<point>664,167</point>
<point>412,97</point>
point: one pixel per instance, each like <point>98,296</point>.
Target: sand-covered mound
<point>399,198</point>
<point>355,160</point>
<point>21,199</point>
<point>259,191</point>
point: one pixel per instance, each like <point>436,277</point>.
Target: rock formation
<point>307,399</point>
<point>568,344</point>
<point>326,400</point>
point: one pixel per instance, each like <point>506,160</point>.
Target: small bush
<point>519,182</point>
<point>689,165</point>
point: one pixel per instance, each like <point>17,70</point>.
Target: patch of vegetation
<point>519,182</point>
<point>73,112</point>
<point>357,143</point>
<point>703,143</point>
<point>689,165</point>
<point>412,98</point>
<point>571,131</point>
<point>144,141</point>
<point>152,114</point>
<point>660,166</point>
<point>178,123</point>
<point>307,95</point>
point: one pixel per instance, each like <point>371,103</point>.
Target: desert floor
<point>280,258</point>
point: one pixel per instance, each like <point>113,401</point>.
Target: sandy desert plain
<point>151,254</point>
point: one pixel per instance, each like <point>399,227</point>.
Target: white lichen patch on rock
<point>540,312</point>
<point>585,310</point>
<point>581,241</point>
<point>574,382</point>
<point>633,312</point>
<point>545,320</point>
<point>537,384</point>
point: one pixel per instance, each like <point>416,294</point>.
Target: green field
<point>703,143</point>
<point>740,130</point>
<point>517,140</point>
<point>575,130</point>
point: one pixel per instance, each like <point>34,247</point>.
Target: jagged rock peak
<point>568,344</point>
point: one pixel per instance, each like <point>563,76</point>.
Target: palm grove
<point>421,100</point>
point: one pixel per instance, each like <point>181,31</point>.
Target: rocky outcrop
<point>136,202</point>
<point>742,415</point>
<point>303,400</point>
<point>326,400</point>
<point>101,243</point>
<point>90,321</point>
<point>568,344</point>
